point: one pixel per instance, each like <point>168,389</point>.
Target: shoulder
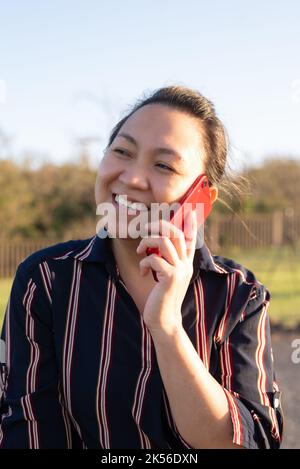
<point>243,281</point>
<point>230,266</point>
<point>56,251</point>
<point>244,296</point>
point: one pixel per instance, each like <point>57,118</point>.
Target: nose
<point>135,177</point>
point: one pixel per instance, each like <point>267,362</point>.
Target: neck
<point>125,252</point>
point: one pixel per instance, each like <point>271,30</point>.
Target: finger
<point>188,226</point>
<point>191,232</point>
<point>181,238</point>
<point>156,263</point>
<point>166,247</point>
<point>167,229</point>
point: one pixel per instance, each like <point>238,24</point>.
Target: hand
<point>174,270</point>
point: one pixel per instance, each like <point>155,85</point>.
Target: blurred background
<point>69,71</point>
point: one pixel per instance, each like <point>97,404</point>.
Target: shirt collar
<point>98,249</point>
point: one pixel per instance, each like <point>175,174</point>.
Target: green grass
<point>278,269</point>
<point>5,286</point>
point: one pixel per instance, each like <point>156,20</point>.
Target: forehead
<point>163,124</point>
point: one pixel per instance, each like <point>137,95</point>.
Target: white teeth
<point>122,200</point>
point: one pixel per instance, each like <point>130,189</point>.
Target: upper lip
<point>131,199</point>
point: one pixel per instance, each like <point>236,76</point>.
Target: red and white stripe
<point>146,369</point>
<point>46,277</point>
<point>218,268</point>
<point>86,251</point>
<point>226,364</point>
<point>68,347</point>
<point>64,256</point>
<point>255,416</point>
<point>65,417</point>
<point>259,357</point>
<point>225,350</point>
<point>202,342</point>
<point>262,372</point>
<point>105,362</point>
<point>236,419</point>
<point>242,318</point>
<point>275,428</point>
<point>32,423</point>
<point>31,374</point>
<point>253,294</point>
<point>80,255</point>
<point>231,281</point>
<point>30,333</point>
<point>243,277</point>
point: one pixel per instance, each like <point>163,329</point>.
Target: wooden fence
<point>255,230</point>
<point>13,252</point>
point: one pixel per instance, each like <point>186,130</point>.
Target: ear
<point>213,193</point>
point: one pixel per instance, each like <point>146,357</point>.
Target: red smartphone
<point>198,193</point>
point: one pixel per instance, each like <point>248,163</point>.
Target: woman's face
<point>155,157</point>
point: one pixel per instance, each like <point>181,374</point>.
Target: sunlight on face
<point>138,164</point>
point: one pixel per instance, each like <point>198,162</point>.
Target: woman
<point>100,355</point>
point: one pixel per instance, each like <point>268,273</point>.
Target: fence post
<point>277,228</point>
<point>214,233</point>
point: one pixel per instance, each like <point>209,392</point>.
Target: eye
<point>165,167</point>
<point>121,152</point>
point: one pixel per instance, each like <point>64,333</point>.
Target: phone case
<point>196,194</point>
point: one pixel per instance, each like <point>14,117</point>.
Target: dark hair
<point>216,142</point>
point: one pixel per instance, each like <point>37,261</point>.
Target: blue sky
<point>64,62</point>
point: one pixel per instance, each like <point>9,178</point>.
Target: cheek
<point>178,190</point>
<point>168,191</point>
<point>109,169</point>
<point>107,173</point>
<point>100,185</point>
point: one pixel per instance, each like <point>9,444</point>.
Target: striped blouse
<point>78,364</point>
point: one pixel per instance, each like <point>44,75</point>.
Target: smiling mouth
<point>122,201</point>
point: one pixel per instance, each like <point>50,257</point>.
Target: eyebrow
<point>167,151</point>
